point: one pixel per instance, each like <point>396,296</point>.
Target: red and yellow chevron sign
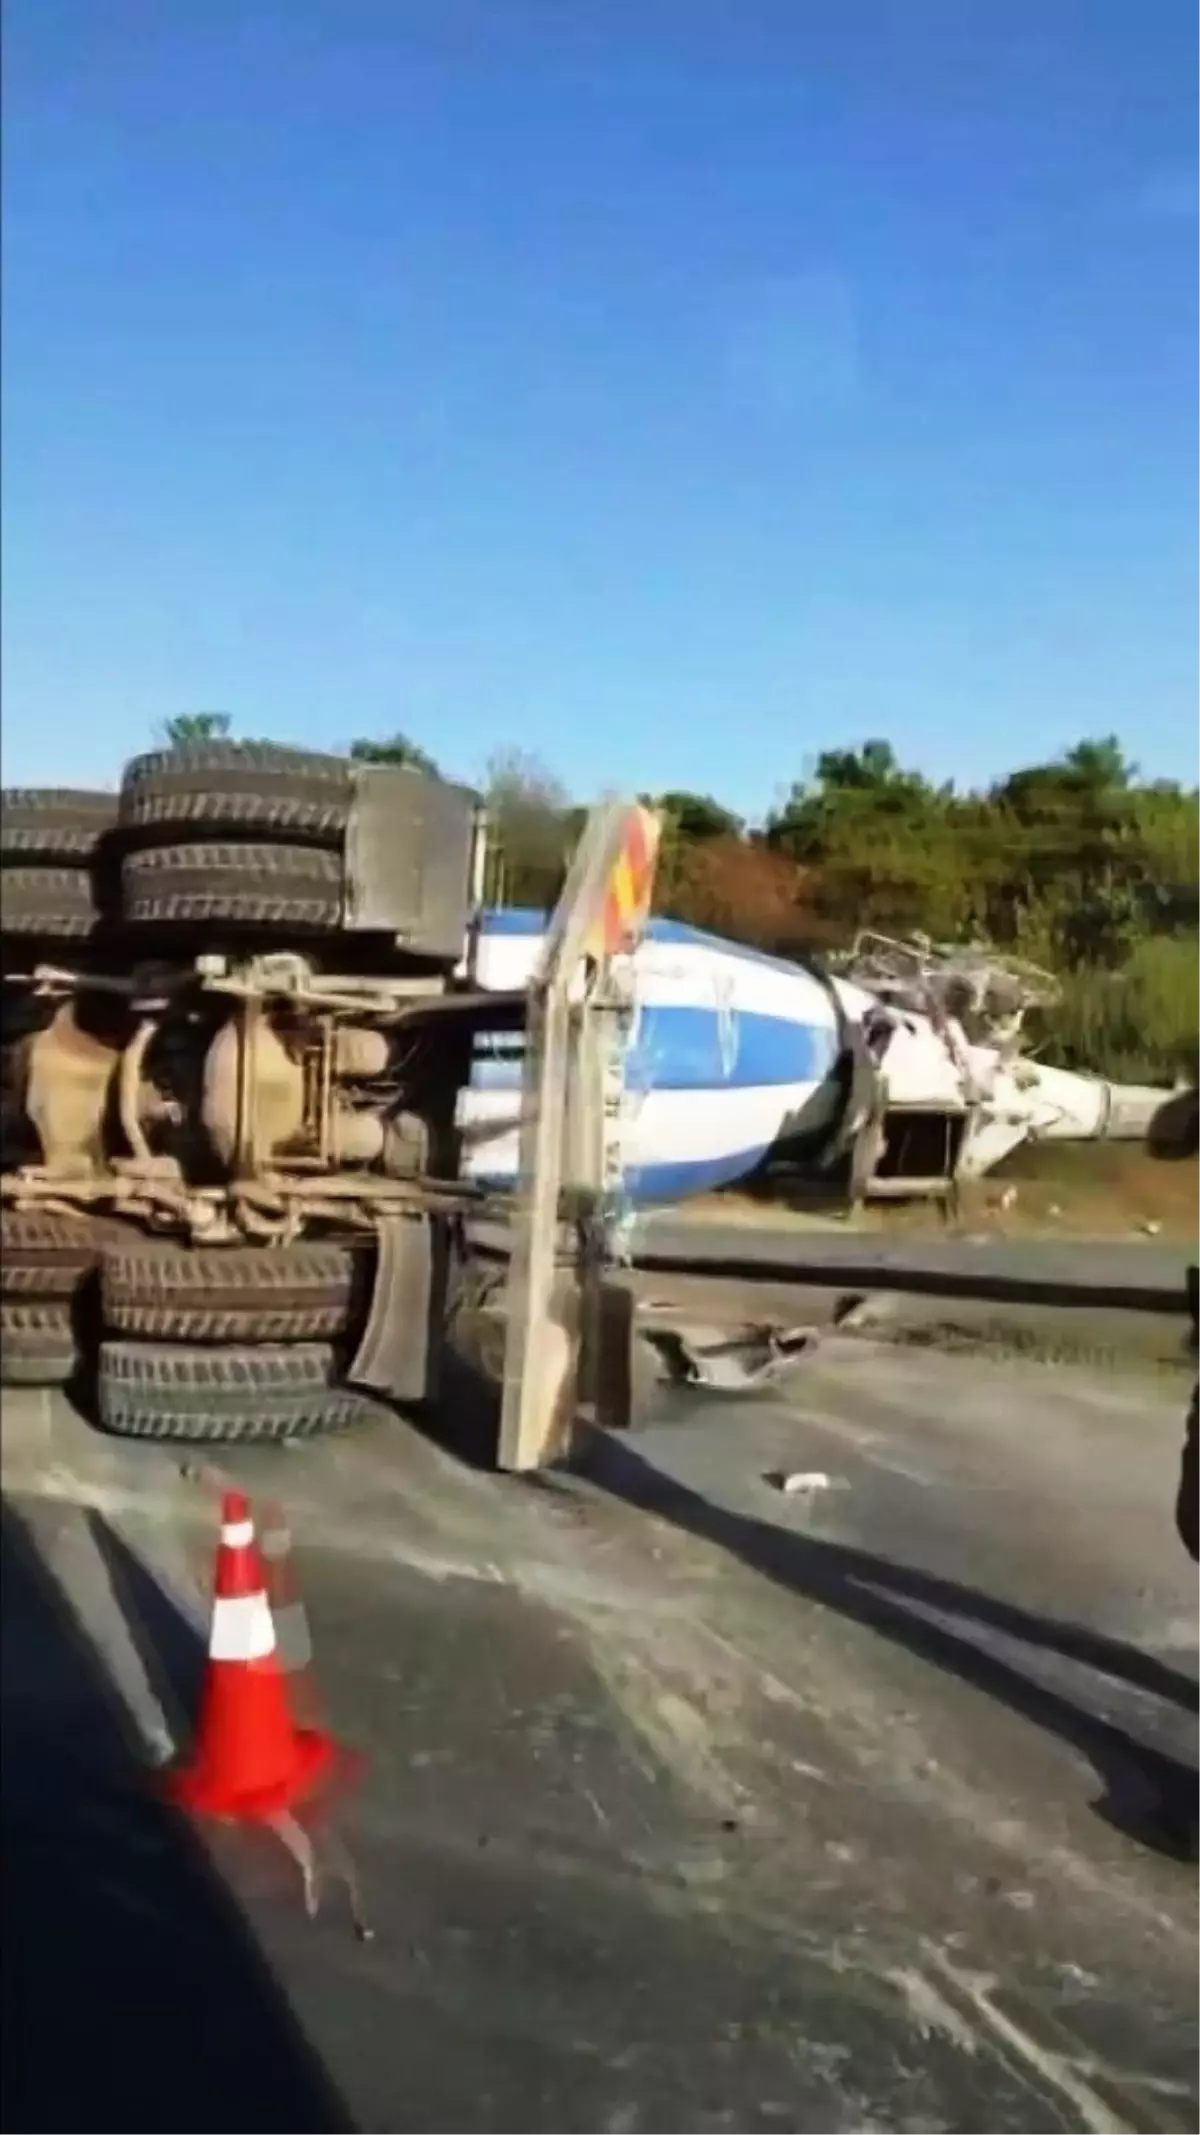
<point>629,888</point>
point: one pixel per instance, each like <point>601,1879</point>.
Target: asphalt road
<point>1136,1272</point>
<point>690,1802</point>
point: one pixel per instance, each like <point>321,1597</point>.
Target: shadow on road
<point>1148,1794</point>
<point>133,1995</point>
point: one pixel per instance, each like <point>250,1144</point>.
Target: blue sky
<point>667,388</point>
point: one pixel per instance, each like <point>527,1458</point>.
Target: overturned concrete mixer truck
<point>261,1034</point>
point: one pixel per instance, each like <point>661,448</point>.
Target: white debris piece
<point>806,1480</point>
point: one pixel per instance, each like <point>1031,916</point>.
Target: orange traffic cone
<point>250,1763</point>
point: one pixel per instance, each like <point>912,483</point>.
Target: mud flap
<point>613,1380</point>
<point>401,1347</point>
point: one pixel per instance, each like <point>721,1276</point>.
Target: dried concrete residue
<point>118,1503</point>
<point>672,1728</point>
<point>931,2012</point>
<point>964,2012</point>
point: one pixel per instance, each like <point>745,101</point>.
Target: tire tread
<point>45,1255</point>
<point>37,1344</point>
<point>218,1396</point>
<point>230,785</point>
<point>233,1294</point>
<point>55,901</point>
<point>188,885</point>
<point>56,823</point>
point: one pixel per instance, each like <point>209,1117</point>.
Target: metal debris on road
<point>726,1363</point>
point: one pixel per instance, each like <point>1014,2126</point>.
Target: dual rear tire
<point>50,844</point>
<point>45,1264</point>
<point>239,1344</point>
<point>260,1394</point>
<point>241,833</point>
<point>215,1346</point>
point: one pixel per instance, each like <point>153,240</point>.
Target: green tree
<point>695,816</point>
<point>1165,825</point>
<point>880,844</point>
<point>1075,872</point>
<point>398,749</point>
<point>190,727</point>
<point>872,769</point>
<point>688,820</point>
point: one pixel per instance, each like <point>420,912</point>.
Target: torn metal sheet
<point>732,1360</point>
<point>729,1361</point>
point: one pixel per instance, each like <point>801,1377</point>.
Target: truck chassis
<point>238,1017</point>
